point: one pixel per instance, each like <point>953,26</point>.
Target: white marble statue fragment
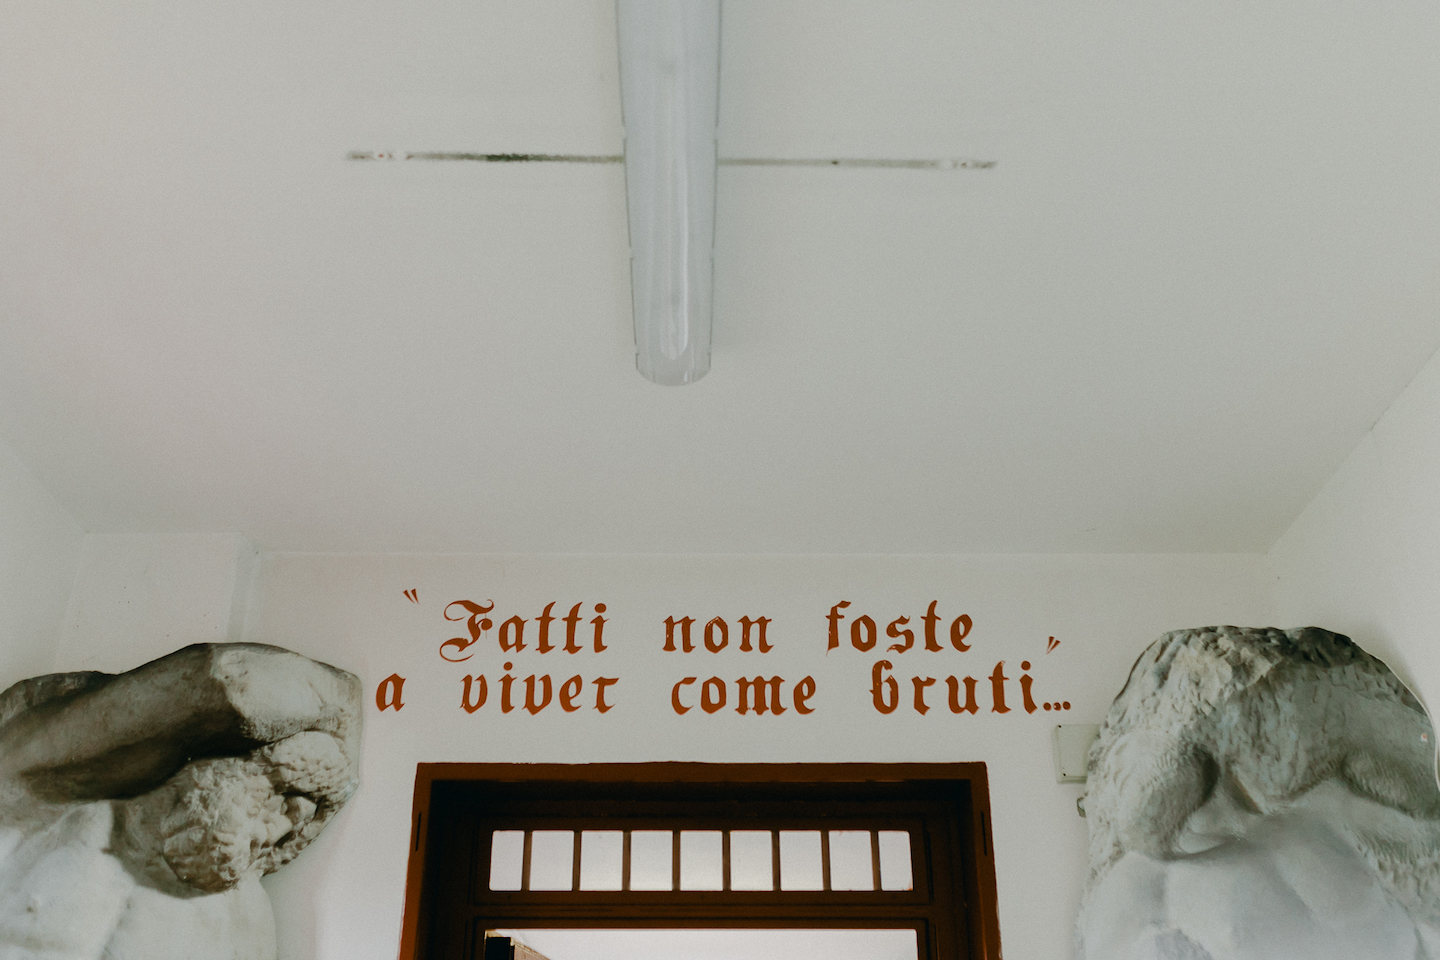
<point>1259,794</point>
<point>138,811</point>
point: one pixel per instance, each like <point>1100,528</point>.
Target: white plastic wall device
<point>1072,748</point>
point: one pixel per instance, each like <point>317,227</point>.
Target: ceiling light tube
<point>670,95</point>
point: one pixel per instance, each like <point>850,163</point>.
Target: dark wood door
<point>485,840</point>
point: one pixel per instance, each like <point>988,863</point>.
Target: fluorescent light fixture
<point>670,94</point>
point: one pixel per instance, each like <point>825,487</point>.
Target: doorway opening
<point>702,861</point>
<point>712,944</point>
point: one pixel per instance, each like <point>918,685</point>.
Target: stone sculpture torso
<point>139,811</point>
<point>1262,795</point>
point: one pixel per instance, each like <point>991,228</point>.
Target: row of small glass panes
<point>858,860</point>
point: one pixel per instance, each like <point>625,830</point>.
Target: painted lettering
<point>970,705</point>
<point>866,626</point>
<point>572,620</point>
<point>387,694</point>
<point>505,683</point>
<point>745,624</point>
<point>531,704</point>
<point>684,624</point>
<point>481,692</point>
<point>716,628</point>
<point>931,618</point>
<point>675,703</point>
<point>475,623</point>
<point>863,633</point>
<point>544,620</point>
<point>803,691</point>
<point>569,690</point>
<point>712,702</point>
<point>512,635</point>
<point>745,688</point>
<point>959,630</point>
<point>600,684</point>
<point>894,632</point>
<point>884,690</point>
<point>997,689</point>
<point>835,616</point>
<point>599,624</point>
<point>1025,681</point>
<point>920,684</point>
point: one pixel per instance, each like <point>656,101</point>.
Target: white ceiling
<point>1204,264</point>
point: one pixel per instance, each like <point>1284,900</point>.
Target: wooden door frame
<point>983,915</point>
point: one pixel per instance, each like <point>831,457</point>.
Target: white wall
<point>140,596</point>
<point>1364,556</point>
<point>39,544</point>
<point>342,898</point>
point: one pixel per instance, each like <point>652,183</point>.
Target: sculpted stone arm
<point>1262,794</point>
<point>1148,809</point>
<point>138,812</point>
<point>121,736</point>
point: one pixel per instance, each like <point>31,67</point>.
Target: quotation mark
<point>413,596</point>
<point>1050,647</point>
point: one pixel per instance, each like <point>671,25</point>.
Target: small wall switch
<point>1072,747</point>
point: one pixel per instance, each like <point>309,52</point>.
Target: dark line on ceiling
<point>487,157</point>
<point>956,163</point>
